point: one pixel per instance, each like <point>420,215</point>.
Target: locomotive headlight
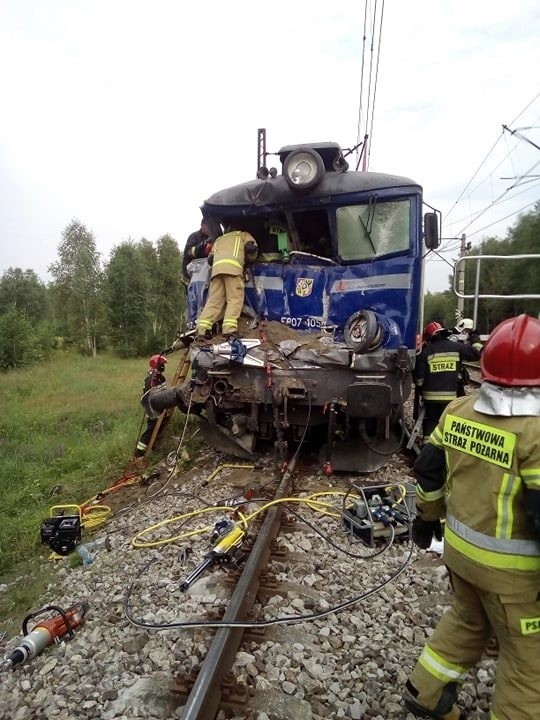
<point>303,169</point>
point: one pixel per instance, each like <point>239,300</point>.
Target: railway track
<point>312,624</point>
<point>279,593</point>
<point>205,695</point>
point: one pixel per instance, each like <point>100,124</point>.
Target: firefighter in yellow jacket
<point>481,470</point>
<point>229,255</point>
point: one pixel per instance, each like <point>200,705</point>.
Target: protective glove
<point>424,530</point>
<point>207,248</point>
<point>211,259</point>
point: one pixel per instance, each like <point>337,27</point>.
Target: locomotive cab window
<point>273,238</point>
<point>313,233</point>
<point>372,230</point>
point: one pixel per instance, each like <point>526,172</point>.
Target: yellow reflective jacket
<point>229,253</point>
<point>477,469</point>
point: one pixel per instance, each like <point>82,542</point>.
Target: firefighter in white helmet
<point>463,325</point>
<point>464,332</point>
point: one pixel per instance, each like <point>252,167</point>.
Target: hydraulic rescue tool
<point>47,631</point>
<point>417,429</point>
<point>378,512</point>
<point>228,536</point>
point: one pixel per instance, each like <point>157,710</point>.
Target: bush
<point>19,342</point>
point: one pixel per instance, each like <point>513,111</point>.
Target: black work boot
<point>446,708</point>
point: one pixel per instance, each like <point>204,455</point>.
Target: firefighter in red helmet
<point>154,379</point>
<point>431,329</point>
<point>481,471</point>
<point>438,372</point>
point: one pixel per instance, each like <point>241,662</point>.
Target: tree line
<point>133,303</point>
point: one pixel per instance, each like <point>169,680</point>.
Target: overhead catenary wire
<point>375,84</point>
<point>455,246</point>
<point>372,31</point>
<point>489,176</point>
<point>520,180</point>
<point>462,193</point>
<point>463,219</point>
<point>522,137</point>
<point>503,218</point>
<point>494,202</point>
<point>364,38</point>
<point>451,249</point>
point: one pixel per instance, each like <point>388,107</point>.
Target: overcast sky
<point>127,115</point>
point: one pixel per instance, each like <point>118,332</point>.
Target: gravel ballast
<point>350,664</point>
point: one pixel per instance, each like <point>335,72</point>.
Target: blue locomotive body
<point>340,271</point>
<point>312,297</point>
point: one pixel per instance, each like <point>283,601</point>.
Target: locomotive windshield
<point>373,230</point>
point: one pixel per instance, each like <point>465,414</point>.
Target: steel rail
<point>205,696</point>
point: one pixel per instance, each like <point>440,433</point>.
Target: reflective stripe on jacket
<point>483,466</point>
<point>229,255</point>
<point>439,368</point>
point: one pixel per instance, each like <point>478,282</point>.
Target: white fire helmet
<point>464,324</point>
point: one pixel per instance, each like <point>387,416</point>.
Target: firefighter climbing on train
<point>229,255</point>
<point>481,471</point>
<point>154,379</point>
<point>438,372</point>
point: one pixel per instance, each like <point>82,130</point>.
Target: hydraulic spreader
<point>228,536</point>
<point>45,632</point>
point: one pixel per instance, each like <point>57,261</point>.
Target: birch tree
<point>78,277</point>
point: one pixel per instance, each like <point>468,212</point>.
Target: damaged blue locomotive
<point>332,312</point>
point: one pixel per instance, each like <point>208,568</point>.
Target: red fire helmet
<point>511,355</point>
<point>157,362</point>
<point>431,329</point>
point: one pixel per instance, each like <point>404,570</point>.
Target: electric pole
<point>461,277</point>
<point>261,149</point>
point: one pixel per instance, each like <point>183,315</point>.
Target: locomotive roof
<point>276,191</point>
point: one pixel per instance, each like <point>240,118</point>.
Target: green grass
<point>70,422</point>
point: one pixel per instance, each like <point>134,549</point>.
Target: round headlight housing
<point>363,332</point>
<point>303,169</point>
